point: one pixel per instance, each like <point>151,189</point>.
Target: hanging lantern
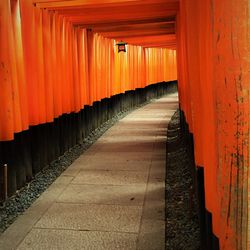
<point>121,46</point>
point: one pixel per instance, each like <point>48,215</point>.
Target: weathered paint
<point>214,94</point>
<point>50,67</point>
<point>72,39</point>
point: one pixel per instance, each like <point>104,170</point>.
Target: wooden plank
<point>91,19</point>
<point>139,34</point>
<point>108,23</point>
<point>59,4</point>
<point>137,27</point>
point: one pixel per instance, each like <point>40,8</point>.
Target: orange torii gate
<point>57,56</point>
<point>47,58</point>
<point>213,74</point>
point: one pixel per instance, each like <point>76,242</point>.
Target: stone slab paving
<point>112,197</point>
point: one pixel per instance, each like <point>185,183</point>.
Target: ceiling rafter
<point>149,23</point>
<point>125,36</point>
<point>110,23</point>
<point>136,27</point>
<point>74,4</point>
<point>92,17</point>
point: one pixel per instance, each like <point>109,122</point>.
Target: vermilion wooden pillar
<point>232,75</point>
<point>214,49</point>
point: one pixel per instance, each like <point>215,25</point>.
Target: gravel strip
<point>23,198</point>
<point>182,223</point>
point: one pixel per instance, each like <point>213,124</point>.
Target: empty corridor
<point>112,197</point>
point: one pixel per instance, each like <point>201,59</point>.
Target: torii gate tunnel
<point>60,71</point>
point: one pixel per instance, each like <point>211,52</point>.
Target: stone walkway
<point>111,198</point>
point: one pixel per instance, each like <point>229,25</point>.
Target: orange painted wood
<point>173,4</point>
<point>6,114</point>
<point>232,77</point>
<point>56,60</point>
<point>106,25</point>
<point>163,25</point>
<point>53,67</point>
<point>213,73</point>
<point>91,14</point>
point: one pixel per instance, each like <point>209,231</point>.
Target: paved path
<point>111,198</point>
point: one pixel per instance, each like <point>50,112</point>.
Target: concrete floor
<point>112,197</point>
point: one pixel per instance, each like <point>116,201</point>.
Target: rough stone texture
<point>41,239</point>
<point>182,225</point>
<point>110,177</point>
<point>115,218</point>
<point>104,194</point>
<point>152,235</point>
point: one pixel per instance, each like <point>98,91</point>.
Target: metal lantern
<point>121,46</point>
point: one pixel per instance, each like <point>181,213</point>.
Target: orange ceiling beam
<point>100,15</point>
<point>125,35</point>
<point>151,40</point>
<point>136,27</point>
<point>128,7</point>
<point>135,21</point>
<point>163,46</point>
<point>54,4</point>
<point>108,24</point>
<point>137,30</point>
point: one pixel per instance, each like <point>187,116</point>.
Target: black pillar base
<point>34,149</point>
<point>208,240</point>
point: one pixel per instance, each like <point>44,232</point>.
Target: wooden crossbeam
<point>117,17</point>
<point>69,4</point>
<point>163,26</point>
<point>108,23</point>
<point>141,34</point>
<point>142,22</point>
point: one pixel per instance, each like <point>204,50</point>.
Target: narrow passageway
<point>69,69</point>
<point>111,197</point>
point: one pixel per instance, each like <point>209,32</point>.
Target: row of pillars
<point>34,149</point>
